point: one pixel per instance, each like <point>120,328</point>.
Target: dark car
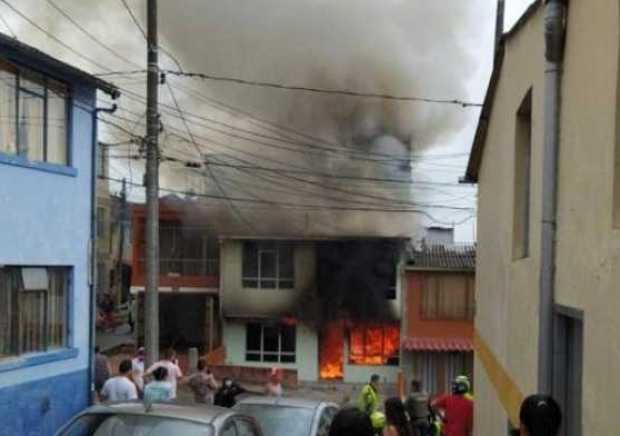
<point>283,416</point>
<point>133,419</point>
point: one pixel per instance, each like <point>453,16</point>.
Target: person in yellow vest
<point>368,400</point>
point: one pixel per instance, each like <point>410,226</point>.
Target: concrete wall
<point>588,243</point>
<point>45,221</point>
<point>507,289</point>
<point>307,350</point>
<point>239,301</point>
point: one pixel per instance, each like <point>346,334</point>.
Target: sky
<point>439,48</point>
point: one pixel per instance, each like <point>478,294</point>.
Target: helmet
<point>461,385</point>
<point>378,420</point>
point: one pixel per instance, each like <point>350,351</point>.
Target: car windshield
<point>134,425</point>
<point>280,420</point>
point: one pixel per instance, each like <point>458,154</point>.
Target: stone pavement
<point>110,340</point>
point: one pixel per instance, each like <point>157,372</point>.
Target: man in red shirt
<point>457,408</point>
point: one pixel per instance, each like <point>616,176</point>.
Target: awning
<point>438,344</point>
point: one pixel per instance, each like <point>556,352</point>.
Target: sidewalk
<point>110,340</point>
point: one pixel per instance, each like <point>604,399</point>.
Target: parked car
<point>133,419</point>
<point>284,416</point>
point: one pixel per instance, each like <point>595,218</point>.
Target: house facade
<point>438,315</point>
<point>47,160</point>
<point>325,309</point>
<point>507,162</point>
<point>189,276</point>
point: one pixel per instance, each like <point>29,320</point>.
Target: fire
<point>331,357</point>
<point>374,344</point>
<point>369,344</point>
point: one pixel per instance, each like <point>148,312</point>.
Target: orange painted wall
<point>416,326</point>
<point>138,251</point>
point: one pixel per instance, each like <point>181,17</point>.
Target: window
<point>448,297</point>
<point>187,250</point>
<point>374,345</point>
<point>522,179</point>
<point>33,309</point>
<point>268,265</point>
<point>270,343</point>
<point>33,115</point>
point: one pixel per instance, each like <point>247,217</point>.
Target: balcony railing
<point>187,267</point>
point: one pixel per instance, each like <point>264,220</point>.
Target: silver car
<point>283,416</point>
<point>132,419</point>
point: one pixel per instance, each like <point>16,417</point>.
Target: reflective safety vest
<point>368,400</point>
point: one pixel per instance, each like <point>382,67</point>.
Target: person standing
<point>397,423</point>
<point>137,365</point>
<point>274,384</point>
<point>102,370</point>
<point>202,383</point>
<point>416,406</point>
<point>540,415</point>
<point>120,388</point>
<point>458,410</point>
<point>173,372</point>
<point>368,400</point>
<point>159,389</point>
<point>227,393</point>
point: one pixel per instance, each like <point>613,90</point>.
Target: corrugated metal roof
<point>450,257</point>
<point>438,344</point>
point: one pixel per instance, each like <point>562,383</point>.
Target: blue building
<point>47,151</point>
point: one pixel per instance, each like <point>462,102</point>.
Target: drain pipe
<point>555,21</point>
<point>93,252</point>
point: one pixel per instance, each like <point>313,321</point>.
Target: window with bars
<point>448,297</point>
<point>187,250</point>
<point>268,265</point>
<point>34,115</point>
<point>33,309</point>
<point>270,343</point>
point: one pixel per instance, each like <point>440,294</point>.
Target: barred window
<point>33,115</point>
<point>33,309</point>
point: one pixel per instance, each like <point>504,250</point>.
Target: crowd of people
<point>446,415</point>
<point>160,381</point>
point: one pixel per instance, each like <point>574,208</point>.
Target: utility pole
<point>151,297</point>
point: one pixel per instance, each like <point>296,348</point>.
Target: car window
<point>280,420</point>
<point>245,428</point>
<point>134,425</point>
<point>325,421</point>
<point>228,429</point>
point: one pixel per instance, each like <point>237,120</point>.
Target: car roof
<point>203,414</point>
<point>304,403</point>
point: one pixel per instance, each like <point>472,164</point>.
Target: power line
<point>90,35</point>
<point>345,92</point>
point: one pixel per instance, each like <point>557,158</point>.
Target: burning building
<point>326,308</point>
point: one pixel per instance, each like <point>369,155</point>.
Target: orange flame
<point>331,352</point>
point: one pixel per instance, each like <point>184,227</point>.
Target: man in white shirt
<point>120,388</point>
<point>174,372</point>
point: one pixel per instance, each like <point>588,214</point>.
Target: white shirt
<point>137,372</point>
<point>119,388</point>
<point>174,373</point>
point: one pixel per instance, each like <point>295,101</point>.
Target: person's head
<point>160,373</point>
<point>540,415</point>
<point>395,414</point>
<point>461,385</point>
<point>416,386</point>
<point>124,368</point>
<point>228,382</point>
<point>170,354</point>
<point>202,365</point>
<point>351,422</point>
<point>374,380</point>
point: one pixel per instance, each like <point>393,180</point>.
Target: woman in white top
<point>172,368</point>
